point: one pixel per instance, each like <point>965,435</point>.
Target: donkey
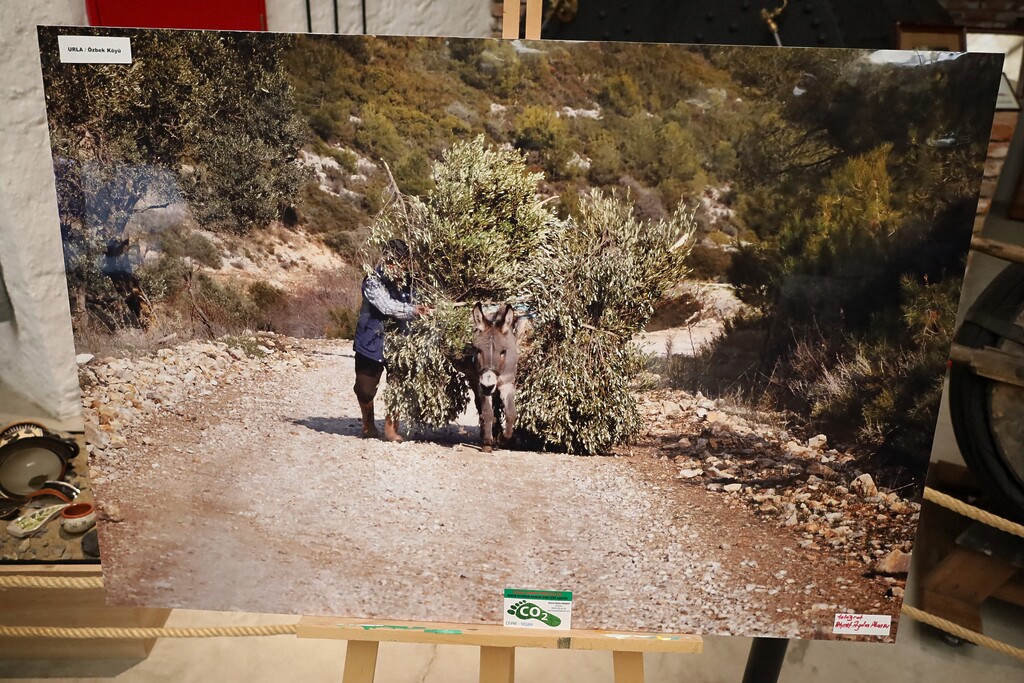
<point>491,371</point>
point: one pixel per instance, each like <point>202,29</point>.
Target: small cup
<point>78,518</point>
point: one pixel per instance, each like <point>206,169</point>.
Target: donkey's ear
<point>479,321</point>
<point>505,318</point>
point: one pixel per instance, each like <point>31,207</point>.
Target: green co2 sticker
<point>538,609</point>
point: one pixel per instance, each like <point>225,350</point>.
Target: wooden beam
<point>510,20</point>
<point>1001,250</point>
<point>360,661</point>
<point>487,635</point>
<point>497,665</point>
<point>533,18</point>
<point>628,667</point>
<point>991,363</point>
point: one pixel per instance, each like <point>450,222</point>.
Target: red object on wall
<point>229,15</point>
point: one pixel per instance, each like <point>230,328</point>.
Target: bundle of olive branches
<point>589,282</point>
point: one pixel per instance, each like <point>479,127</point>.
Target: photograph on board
<point>383,326</point>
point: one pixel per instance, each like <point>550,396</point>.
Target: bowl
<point>78,518</point>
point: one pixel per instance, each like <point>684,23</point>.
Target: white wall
<point>36,350</point>
<point>469,18</point>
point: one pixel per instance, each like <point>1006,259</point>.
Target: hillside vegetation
<point>204,192</point>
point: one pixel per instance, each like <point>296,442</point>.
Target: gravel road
<point>256,493</point>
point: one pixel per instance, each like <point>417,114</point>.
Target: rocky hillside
<point>801,484</point>
<point>119,393</point>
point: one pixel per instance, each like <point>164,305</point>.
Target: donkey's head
<point>495,350</point>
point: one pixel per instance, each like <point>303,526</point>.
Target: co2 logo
<point>529,611</point>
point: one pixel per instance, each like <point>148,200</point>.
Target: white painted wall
<point>36,350</point>
<point>37,357</point>
<point>468,18</point>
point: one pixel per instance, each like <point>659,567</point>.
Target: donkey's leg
<point>487,423</point>
<point>508,400</point>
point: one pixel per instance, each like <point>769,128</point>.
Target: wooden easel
<point>497,644</point>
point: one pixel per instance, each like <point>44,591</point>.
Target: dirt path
<point>260,496</point>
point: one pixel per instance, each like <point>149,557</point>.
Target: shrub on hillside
<point>589,283</point>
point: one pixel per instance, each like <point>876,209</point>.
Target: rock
<point>84,358</point>
<point>895,592</point>
<point>732,488</point>
<point>716,416</point>
<point>688,474</point>
<point>110,512</point>
<point>864,486</point>
<point>823,471</point>
<point>793,448</point>
<point>896,562</point>
<point>817,442</point>
<point>90,544</point>
<point>96,437</point>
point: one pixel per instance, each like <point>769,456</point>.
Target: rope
<point>87,582</point>
<point>51,582</point>
<point>977,514</point>
<point>147,633</point>
<point>961,632</point>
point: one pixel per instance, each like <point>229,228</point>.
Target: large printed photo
<point>379,327</point>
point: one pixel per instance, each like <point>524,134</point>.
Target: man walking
<point>387,293</point>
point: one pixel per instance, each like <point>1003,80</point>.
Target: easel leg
<point>628,666</point>
<point>497,664</point>
<point>360,661</point>
<point>764,662</point>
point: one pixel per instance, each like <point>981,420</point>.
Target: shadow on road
<point>343,426</point>
<point>352,426</point>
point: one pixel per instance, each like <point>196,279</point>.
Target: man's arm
<point>377,294</point>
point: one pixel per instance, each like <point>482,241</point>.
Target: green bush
<point>324,125</point>
<point>265,296</point>
<point>605,161</point>
<point>378,137</point>
<point>345,158</point>
<point>326,213</point>
<point>537,128</point>
<point>621,94</point>
<point>163,277</point>
<point>591,283</point>
<point>342,323</point>
<point>225,304</point>
<point>708,263</point>
<point>182,243</point>
<point>412,173</point>
<point>345,243</point>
